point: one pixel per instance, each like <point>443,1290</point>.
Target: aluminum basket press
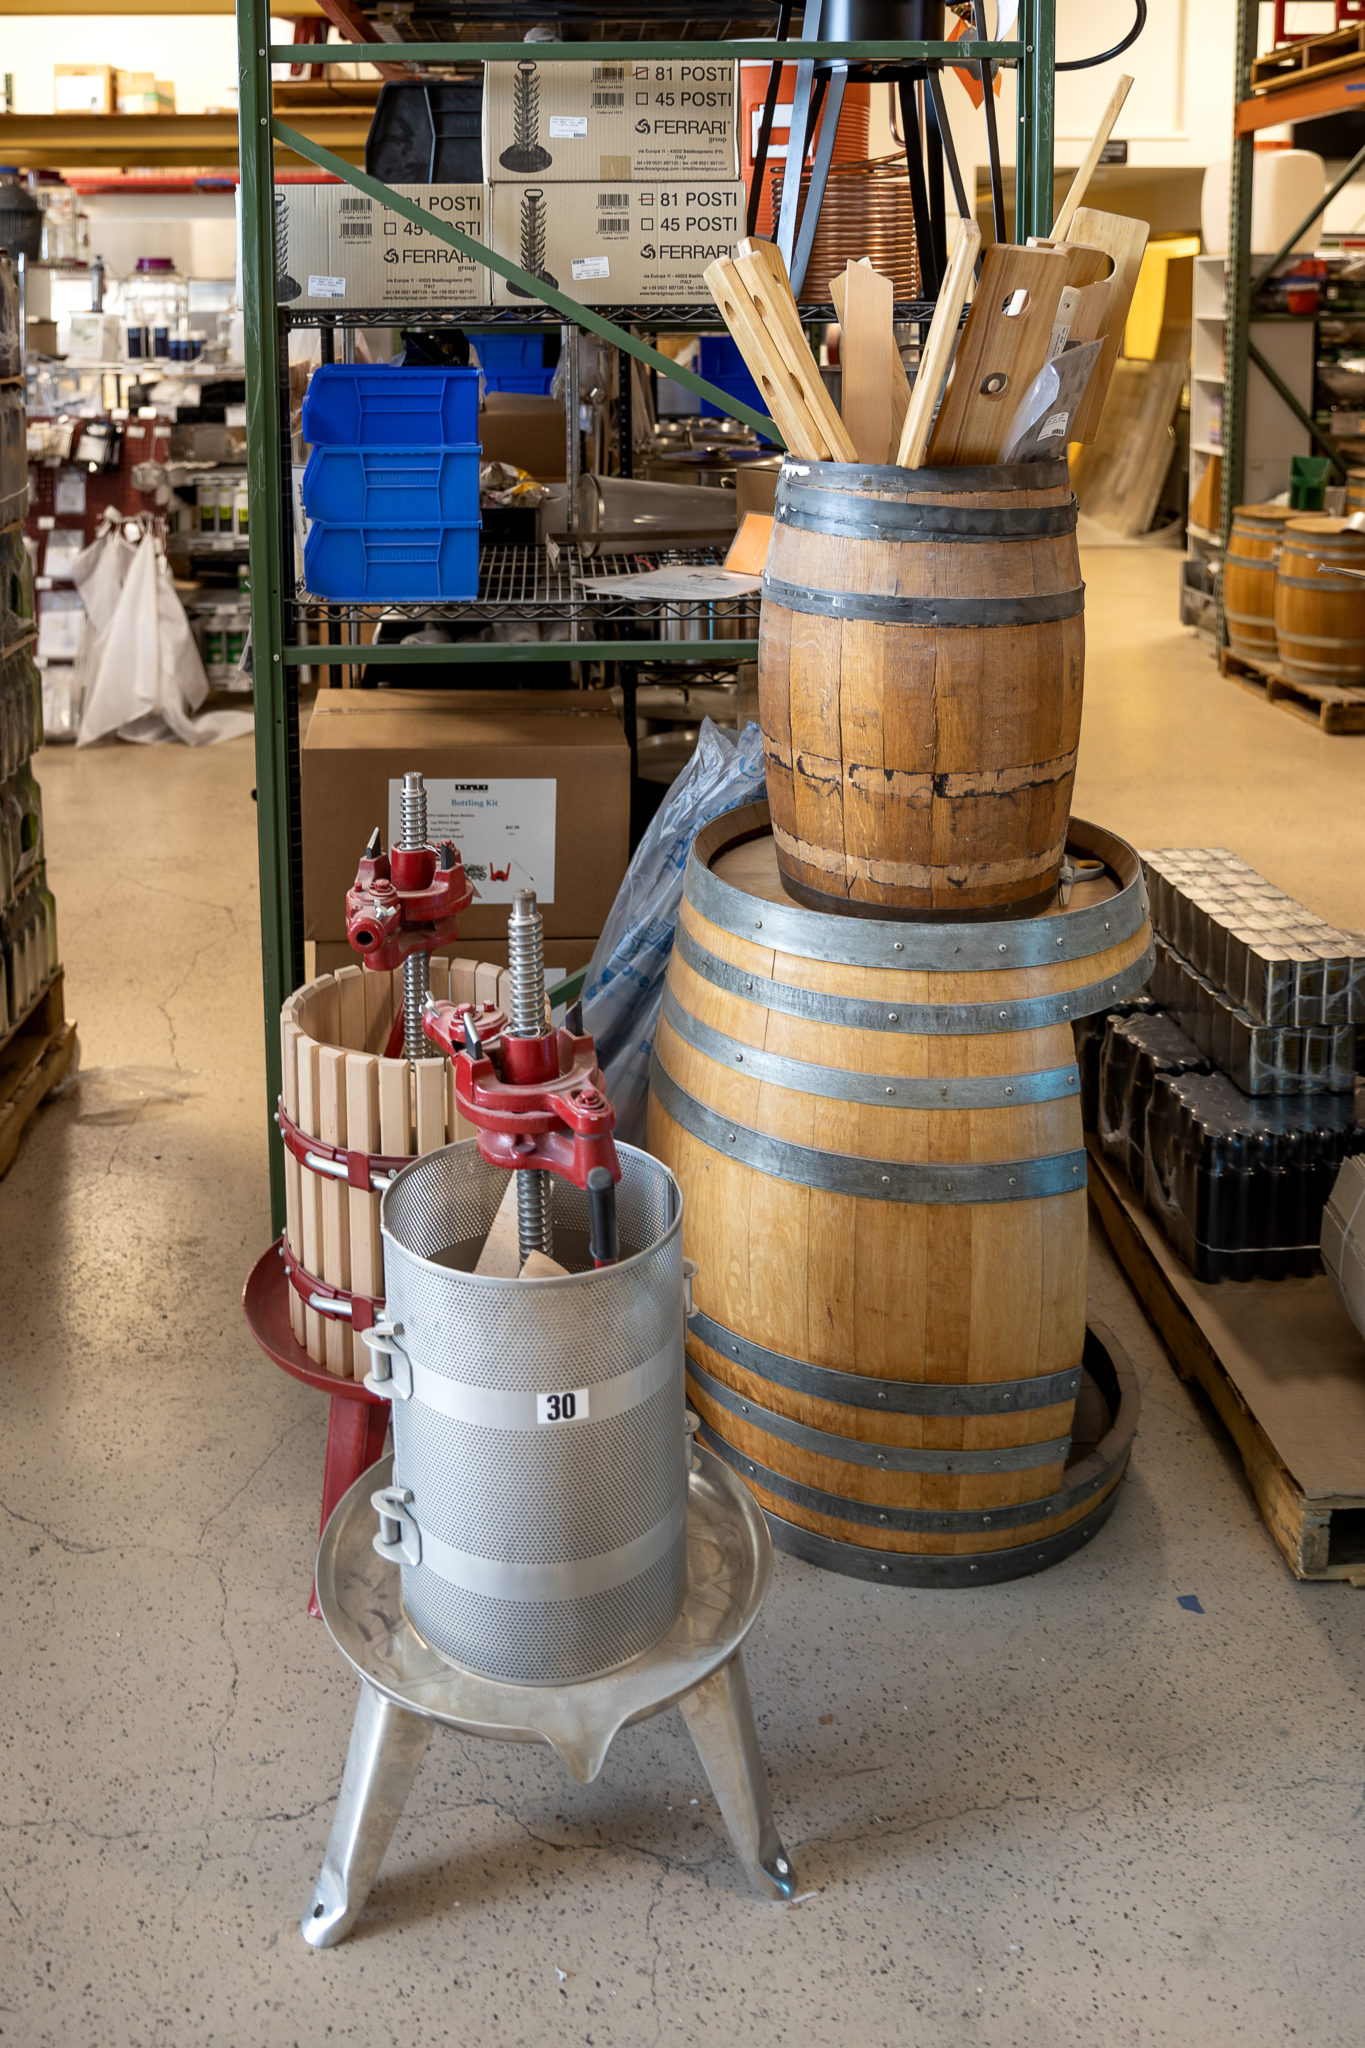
<point>538,1501</point>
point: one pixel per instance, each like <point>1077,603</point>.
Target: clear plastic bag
<point>117,1095</point>
<point>625,984</point>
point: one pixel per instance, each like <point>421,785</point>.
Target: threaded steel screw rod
<point>416,975</point>
<point>526,974</point>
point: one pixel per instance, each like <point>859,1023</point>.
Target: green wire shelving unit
<point>276,658</point>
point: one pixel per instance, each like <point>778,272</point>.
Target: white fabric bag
<point>141,669</point>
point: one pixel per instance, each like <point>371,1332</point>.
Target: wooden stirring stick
<point>760,269</point>
<point>937,351</point>
<point>782,393</point>
<point>876,390</point>
<point>1081,181</point>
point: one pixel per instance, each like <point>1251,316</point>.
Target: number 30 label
<point>571,1406</point>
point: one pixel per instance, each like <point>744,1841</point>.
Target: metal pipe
<point>526,1019</point>
<point>416,967</point>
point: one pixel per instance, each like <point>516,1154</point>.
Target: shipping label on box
<point>504,828</point>
<point>83,88</point>
<point>337,247</point>
<point>566,123</point>
<point>616,245</point>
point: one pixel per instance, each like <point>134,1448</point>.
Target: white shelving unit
<point>1273,433</point>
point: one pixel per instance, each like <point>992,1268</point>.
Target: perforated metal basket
<point>538,1503</point>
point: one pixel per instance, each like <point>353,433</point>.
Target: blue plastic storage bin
<point>392,486</point>
<point>377,405</point>
<point>506,352</point>
<point>720,362</point>
<point>536,382</point>
<point>391,564</point>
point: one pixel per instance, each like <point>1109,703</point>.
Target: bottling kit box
<point>571,123</point>
<point>533,787</point>
<point>336,247</point>
<point>623,244</point>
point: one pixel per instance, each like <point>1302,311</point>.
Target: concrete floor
<point>1061,1812</point>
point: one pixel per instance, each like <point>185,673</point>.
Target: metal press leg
<point>387,1745</point>
<point>720,1719</point>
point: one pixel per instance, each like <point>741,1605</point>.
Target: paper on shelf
<point>703,585</point>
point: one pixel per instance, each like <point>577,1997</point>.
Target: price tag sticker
<point>564,127</point>
<point>570,1406</point>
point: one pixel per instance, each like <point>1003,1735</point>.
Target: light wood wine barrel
<point>1355,490</point>
<point>338,1087</point>
<point>1249,580</point>
<point>877,1131</point>
<point>921,658</point>
<point>1319,611</point>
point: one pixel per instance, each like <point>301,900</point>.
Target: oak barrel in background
<point>876,1127</point>
<point>1249,580</point>
<point>1319,608</point>
<point>921,660</point>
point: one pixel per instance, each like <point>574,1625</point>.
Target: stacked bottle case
<point>392,483</point>
<point>1228,1099</point>
<point>28,914</point>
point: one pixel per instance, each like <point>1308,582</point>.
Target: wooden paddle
<point>1080,184</point>
<point>1004,344</point>
<point>782,393</point>
<point>1101,311</point>
<point>876,391</point>
<point>937,352</point>
<point>761,270</point>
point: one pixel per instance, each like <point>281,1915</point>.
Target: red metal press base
<point>357,1422</point>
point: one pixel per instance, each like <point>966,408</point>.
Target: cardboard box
<point>567,123</point>
<point>83,88</point>
<point>533,786</point>
<point>140,92</point>
<point>515,427</point>
<point>616,244</point>
<point>340,248</point>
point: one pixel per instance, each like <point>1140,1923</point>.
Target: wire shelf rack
<point>544,586</point>
<point>653,319</point>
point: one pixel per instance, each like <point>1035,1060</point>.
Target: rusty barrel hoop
<point>921,664</point>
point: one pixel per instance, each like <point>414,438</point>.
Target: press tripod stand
<point>926,131</point>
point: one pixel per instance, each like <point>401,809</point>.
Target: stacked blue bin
<point>514,362</point>
<point>392,483</point>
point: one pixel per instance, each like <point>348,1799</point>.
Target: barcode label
<point>589,266</point>
<point>613,225</point>
<point>326,287</point>
<point>603,74</point>
<point>612,202</point>
<point>600,100</point>
<point>355,230</point>
<point>355,205</point>
<point>565,127</point>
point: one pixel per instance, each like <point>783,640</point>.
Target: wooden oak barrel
<point>1355,490</point>
<point>1319,610</point>
<point>1249,580</point>
<point>337,1087</point>
<point>877,1130</point>
<point>921,658</point>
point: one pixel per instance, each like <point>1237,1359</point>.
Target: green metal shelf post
<point>273,656</point>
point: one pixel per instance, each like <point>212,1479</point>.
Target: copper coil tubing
<point>866,212</point>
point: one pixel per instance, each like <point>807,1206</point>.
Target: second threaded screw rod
<point>416,969</point>
<point>526,1013</point>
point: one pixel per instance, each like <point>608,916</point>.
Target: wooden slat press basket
<point>338,1087</point>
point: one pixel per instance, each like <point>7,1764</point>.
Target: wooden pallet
<point>1304,63</point>
<point>33,1060</point>
<point>1283,1367</point>
<point>1329,706</point>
